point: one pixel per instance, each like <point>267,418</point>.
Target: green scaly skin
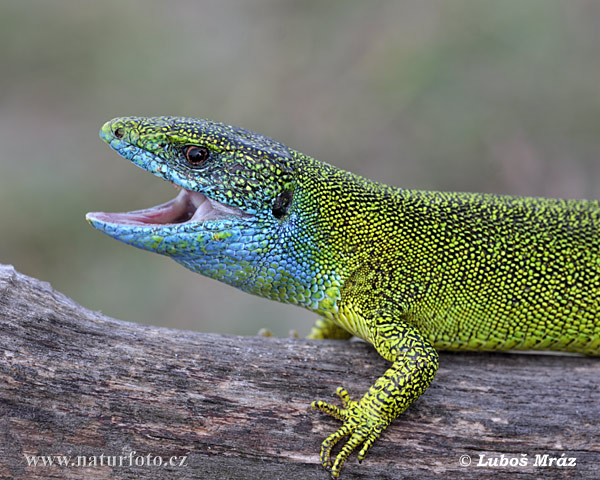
<point>408,271</point>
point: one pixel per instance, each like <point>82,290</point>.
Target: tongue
<point>209,209</point>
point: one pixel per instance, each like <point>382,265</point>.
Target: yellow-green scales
<point>409,271</point>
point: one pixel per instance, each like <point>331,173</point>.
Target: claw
<point>344,395</point>
<point>368,443</point>
<point>330,442</point>
<point>328,409</point>
<point>358,423</point>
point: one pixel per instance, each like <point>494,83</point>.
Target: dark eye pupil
<point>119,132</point>
<point>196,155</point>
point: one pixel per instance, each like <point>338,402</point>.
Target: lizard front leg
<point>415,362</point>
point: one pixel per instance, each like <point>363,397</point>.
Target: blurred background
<point>461,95</point>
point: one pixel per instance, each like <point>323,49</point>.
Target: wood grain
<point>75,382</point>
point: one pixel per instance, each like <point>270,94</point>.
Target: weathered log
<point>76,383</point>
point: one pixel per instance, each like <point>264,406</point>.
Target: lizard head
<point>232,216</point>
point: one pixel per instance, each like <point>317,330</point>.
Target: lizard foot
<point>362,426</point>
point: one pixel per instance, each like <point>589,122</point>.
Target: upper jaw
<point>186,208</point>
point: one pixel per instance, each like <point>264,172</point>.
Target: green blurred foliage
<point>475,95</point>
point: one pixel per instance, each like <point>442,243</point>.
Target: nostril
<point>119,132</point>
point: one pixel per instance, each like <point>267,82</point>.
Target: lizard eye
<point>196,156</point>
<point>119,132</point>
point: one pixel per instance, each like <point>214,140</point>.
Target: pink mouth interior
<point>186,207</point>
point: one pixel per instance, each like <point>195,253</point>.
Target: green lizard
<point>408,271</point>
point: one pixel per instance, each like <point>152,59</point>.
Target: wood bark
<point>74,382</point>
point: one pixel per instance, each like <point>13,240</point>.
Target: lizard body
<point>408,271</point>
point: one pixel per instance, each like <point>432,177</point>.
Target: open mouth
<point>186,207</point>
